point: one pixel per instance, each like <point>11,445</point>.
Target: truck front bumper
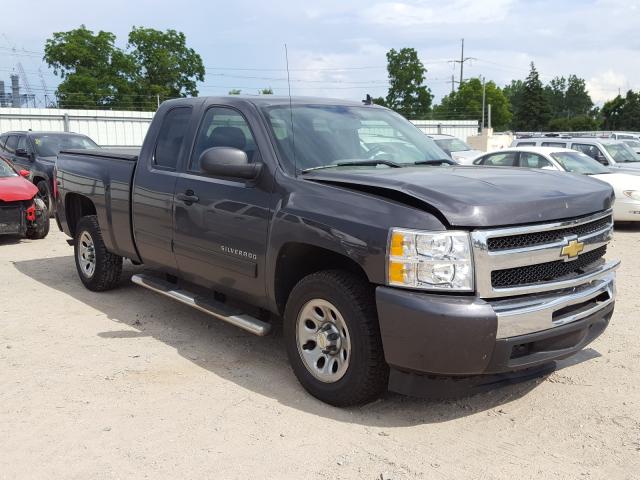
<point>466,335</point>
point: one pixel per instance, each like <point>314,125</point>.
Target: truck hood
<point>479,196</point>
<point>16,188</point>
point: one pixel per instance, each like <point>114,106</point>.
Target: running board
<point>212,307</point>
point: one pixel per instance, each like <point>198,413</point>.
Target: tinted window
<point>590,150</point>
<point>223,127</point>
<point>621,152</point>
<point>533,160</point>
<point>506,159</point>
<point>554,144</point>
<point>170,138</point>
<point>50,144</point>
<point>526,144</point>
<point>12,144</point>
<point>22,142</point>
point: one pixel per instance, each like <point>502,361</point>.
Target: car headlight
<point>632,194</point>
<point>430,260</point>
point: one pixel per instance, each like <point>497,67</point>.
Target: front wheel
<point>40,227</point>
<point>98,268</point>
<point>333,339</point>
<point>44,193</point>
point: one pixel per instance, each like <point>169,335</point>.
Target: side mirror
<point>24,173</point>
<point>21,152</point>
<point>228,162</point>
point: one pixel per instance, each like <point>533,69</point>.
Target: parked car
<point>626,187</point>
<point>386,262</point>
<point>634,144</point>
<point>458,150</point>
<point>22,212</point>
<point>609,152</point>
<point>36,153</point>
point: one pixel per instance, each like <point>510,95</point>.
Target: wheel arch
<point>77,206</point>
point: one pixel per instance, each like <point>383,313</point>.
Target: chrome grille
<point>528,259</point>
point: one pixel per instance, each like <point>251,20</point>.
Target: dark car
<point>21,211</point>
<point>36,152</point>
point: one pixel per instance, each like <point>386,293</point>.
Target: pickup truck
<point>387,263</point>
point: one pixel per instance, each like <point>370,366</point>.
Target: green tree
<point>466,102</point>
<point>94,72</point>
<point>266,91</point>
<point>407,93</point>
<point>235,91</point>
<point>556,95</point>
<point>577,99</point>
<point>513,92</point>
<point>165,66</point>
<point>611,113</point>
<point>534,111</point>
<point>630,117</point>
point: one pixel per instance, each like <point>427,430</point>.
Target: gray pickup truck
<point>387,263</point>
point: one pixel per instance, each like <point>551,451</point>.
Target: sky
<point>337,48</point>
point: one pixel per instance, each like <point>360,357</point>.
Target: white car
<point>458,150</point>
<point>626,186</point>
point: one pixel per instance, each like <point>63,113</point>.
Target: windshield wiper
<point>437,161</point>
<point>356,163</point>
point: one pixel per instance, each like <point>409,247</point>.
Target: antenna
<point>293,137</point>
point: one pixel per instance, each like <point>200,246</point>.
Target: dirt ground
<point>127,384</point>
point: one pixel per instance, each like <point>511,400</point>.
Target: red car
<point>22,212</point>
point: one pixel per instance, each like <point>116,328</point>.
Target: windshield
<point>621,152</point>
<point>6,170</point>
<point>633,143</point>
<point>452,145</point>
<point>331,134</point>
<point>49,145</point>
<point>577,162</point>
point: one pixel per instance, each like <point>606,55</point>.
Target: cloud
<point>606,85</point>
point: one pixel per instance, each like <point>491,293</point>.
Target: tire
<point>361,379</point>
<point>44,192</point>
<point>98,269</point>
<point>41,228</point>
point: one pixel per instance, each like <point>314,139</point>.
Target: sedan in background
<point>458,150</point>
<point>626,186</point>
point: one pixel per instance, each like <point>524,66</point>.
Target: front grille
<point>545,237</point>
<point>544,272</point>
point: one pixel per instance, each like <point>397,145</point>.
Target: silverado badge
<point>572,249</point>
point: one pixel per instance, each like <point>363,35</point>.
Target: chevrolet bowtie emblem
<point>572,249</point>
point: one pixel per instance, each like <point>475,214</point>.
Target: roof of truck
<point>270,100</point>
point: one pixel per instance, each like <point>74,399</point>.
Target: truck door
<point>153,189</point>
<point>221,224</point>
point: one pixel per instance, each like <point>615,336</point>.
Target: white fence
<point>106,127</point>
<point>458,128</point>
<point>127,129</point>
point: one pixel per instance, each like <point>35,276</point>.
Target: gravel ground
<point>127,384</point>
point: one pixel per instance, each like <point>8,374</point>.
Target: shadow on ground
<point>258,364</point>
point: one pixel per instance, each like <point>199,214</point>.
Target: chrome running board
<point>212,307</point>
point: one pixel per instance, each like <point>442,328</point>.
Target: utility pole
<point>461,62</point>
<point>483,102</point>
<point>453,81</point>
<point>489,117</point>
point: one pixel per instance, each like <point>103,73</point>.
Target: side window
<point>554,144</point>
<point>223,127</point>
<point>170,138</point>
<point>526,144</point>
<point>12,144</point>
<point>506,159</point>
<point>590,150</point>
<point>533,160</point>
<point>3,140</point>
<point>22,142</point>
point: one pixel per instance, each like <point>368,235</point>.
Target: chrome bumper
<point>535,313</point>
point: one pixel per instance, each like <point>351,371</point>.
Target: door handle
<point>188,197</point>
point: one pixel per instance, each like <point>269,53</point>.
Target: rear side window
<point>533,160</point>
<point>224,127</point>
<point>12,144</point>
<point>22,142</point>
<point>590,150</point>
<point>554,144</point>
<point>171,137</point>
<point>506,159</point>
<point>526,144</point>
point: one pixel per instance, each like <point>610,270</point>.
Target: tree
<point>266,91</point>
<point>513,92</point>
<point>96,73</point>
<point>577,99</point>
<point>466,102</point>
<point>534,111</point>
<point>235,91</point>
<point>407,95</point>
<point>556,95</point>
<point>165,66</point>
<point>611,113</point>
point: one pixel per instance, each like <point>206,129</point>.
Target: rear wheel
<point>98,268</point>
<point>333,339</point>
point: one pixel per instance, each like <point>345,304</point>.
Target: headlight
<point>632,194</point>
<point>430,260</point>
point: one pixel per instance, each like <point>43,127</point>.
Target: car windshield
<point>326,135</point>
<point>621,152</point>
<point>50,144</point>
<point>577,162</point>
<point>633,143</point>
<point>452,145</point>
<point>6,170</point>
